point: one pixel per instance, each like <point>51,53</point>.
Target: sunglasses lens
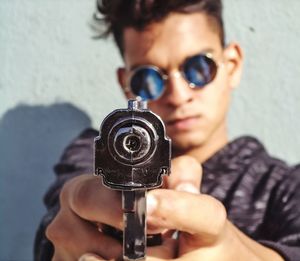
<point>147,83</point>
<point>200,70</point>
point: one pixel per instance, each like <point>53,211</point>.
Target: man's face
<point>193,117</point>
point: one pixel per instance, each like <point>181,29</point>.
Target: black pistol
<point>132,153</point>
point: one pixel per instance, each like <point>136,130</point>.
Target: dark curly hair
<point>120,14</point>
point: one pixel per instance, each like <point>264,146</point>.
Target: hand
<point>205,233</point>
<point>85,204</point>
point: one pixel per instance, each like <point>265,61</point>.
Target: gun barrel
<point>134,235</point>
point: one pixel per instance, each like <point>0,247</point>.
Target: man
<point>249,206</point>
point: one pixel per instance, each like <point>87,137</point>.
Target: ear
<point>233,55</point>
<point>121,75</point>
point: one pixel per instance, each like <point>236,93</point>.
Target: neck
<point>207,149</point>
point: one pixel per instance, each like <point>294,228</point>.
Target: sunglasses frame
<point>165,76</point>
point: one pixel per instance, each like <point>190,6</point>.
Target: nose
<point>178,91</point>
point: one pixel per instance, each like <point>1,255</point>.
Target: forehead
<point>170,41</point>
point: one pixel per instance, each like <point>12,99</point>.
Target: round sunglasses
<point>149,82</point>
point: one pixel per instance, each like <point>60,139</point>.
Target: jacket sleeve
<point>283,217</point>
<point>77,159</point>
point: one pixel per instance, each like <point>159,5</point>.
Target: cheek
<point>215,99</point>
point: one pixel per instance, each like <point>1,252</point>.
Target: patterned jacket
<point>261,194</point>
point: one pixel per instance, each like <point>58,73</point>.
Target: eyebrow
<point>203,51</point>
<point>133,67</point>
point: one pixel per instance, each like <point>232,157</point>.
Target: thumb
<point>186,174</point>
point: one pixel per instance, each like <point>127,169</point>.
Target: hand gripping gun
<point>132,153</point>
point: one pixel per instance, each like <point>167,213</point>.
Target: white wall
<point>56,80</point>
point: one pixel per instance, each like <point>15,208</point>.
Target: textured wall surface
<point>56,80</point>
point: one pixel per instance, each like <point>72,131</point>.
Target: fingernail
<point>151,204</point>
<point>188,187</point>
<point>89,257</point>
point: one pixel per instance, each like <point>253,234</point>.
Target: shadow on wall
<point>32,139</point>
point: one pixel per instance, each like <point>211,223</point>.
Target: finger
<point>186,174</point>
<point>90,200</point>
<point>70,234</point>
<point>201,216</point>
<point>167,250</point>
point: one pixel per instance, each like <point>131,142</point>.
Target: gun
<point>132,153</point>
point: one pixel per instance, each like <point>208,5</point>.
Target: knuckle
<point>195,165</point>
<point>219,223</point>
<point>66,191</point>
<point>74,193</point>
<point>188,162</point>
<point>56,232</point>
<point>188,166</point>
<point>80,196</point>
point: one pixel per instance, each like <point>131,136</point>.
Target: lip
<point>183,124</point>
